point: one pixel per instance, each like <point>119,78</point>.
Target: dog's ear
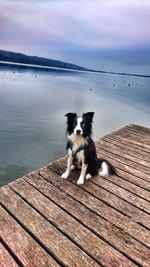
<point>71,116</point>
<point>89,116</point>
<point>70,120</point>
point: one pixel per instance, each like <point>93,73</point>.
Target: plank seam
<point>66,235</point>
<point>134,129</point>
<point>124,141</point>
<point>139,127</point>
<point>132,182</point>
<point>33,236</point>
<point>121,197</point>
<point>141,146</point>
<point>130,137</point>
<point>87,226</point>
<point>113,182</point>
<point>107,143</point>
<point>120,145</point>
<point>12,254</point>
<point>96,213</point>
<point>126,155</point>
<point>136,134</point>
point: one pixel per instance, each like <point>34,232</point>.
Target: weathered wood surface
<point>49,221</point>
<point>5,258</point>
<point>24,247</point>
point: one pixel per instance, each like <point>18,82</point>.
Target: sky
<point>91,33</point>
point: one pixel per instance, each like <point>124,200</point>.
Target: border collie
<point>81,151</point>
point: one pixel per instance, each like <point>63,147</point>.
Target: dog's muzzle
<point>78,132</point>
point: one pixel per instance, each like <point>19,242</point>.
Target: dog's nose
<point>78,131</point>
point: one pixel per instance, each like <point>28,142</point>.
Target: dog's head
<point>80,125</point>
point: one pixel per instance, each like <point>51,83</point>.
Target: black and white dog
<point>81,151</point>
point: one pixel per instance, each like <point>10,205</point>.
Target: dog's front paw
<point>80,180</point>
<point>72,167</point>
<point>88,176</point>
<point>65,175</point>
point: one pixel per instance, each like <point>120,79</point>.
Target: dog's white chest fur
<point>77,141</point>
<point>80,157</point>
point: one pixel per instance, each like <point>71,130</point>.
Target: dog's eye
<point>83,124</point>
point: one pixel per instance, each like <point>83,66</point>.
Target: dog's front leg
<point>82,175</point>
<point>69,163</point>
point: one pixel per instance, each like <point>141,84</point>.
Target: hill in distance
<point>13,57</point>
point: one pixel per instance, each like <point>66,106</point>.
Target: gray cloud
<point>51,28</point>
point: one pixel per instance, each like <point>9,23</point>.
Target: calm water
<point>33,104</point>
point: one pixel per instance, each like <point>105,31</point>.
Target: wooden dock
<point>49,221</point>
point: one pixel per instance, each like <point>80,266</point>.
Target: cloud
<point>50,28</point>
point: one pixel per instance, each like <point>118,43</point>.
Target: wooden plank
<point>122,143</point>
<point>89,242</point>
<point>99,207</point>
<point>28,252</point>
<point>137,133</point>
<point>140,128</point>
<point>66,252</point>
<point>132,132</point>
<point>116,200</point>
<point>104,229</point>
<point>144,138</point>
<point>136,153</point>
<point>131,138</point>
<point>127,196</point>
<point>130,142</point>
<point>129,186</point>
<point>5,258</point>
<point>126,165</point>
<point>124,153</point>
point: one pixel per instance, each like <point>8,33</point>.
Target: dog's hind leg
<point>69,163</point>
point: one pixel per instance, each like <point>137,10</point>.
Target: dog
<point>81,151</point>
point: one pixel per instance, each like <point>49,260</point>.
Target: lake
<point>33,103</point>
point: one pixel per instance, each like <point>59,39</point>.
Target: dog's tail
<point>105,168</point>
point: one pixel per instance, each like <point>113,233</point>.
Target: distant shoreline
<point>39,66</point>
<point>125,74</point>
<point>35,66</point>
